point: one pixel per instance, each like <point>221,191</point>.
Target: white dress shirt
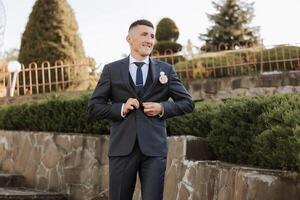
<point>132,71</point>
<point>133,68</point>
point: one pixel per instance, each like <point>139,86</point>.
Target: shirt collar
<point>132,60</point>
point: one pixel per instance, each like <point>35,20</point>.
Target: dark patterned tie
<point>139,79</point>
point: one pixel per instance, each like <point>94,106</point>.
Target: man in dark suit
<point>138,94</point>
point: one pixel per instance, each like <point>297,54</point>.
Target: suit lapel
<point>155,69</point>
<point>125,76</point>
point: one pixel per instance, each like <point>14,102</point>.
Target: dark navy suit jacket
<point>114,88</point>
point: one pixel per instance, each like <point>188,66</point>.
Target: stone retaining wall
<point>78,164</point>
<point>223,88</point>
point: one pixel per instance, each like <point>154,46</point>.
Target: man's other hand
<point>130,104</point>
<point>152,108</point>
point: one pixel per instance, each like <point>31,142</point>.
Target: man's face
<point>141,41</point>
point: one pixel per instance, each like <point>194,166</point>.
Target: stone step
<point>11,180</point>
<point>7,193</point>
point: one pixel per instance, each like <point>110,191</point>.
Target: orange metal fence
<point>44,78</point>
<point>239,62</point>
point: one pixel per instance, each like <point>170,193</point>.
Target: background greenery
<point>247,61</point>
<point>230,26</point>
<point>166,36</point>
<point>262,131</point>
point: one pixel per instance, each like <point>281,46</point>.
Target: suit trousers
<point>123,171</point>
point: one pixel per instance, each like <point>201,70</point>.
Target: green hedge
<point>68,114</point>
<point>58,114</point>
<point>262,131</point>
<point>197,123</point>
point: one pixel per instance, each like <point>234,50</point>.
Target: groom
<point>138,94</point>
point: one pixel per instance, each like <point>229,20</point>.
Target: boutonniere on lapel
<point>163,79</point>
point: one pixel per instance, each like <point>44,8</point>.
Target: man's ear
<point>128,39</point>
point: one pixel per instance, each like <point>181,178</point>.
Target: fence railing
<point>44,78</point>
<point>239,62</point>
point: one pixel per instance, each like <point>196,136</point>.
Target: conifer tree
<point>230,26</point>
<point>51,34</point>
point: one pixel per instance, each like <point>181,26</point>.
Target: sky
<point>103,25</point>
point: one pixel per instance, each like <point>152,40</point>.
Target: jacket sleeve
<point>181,101</point>
<point>99,106</point>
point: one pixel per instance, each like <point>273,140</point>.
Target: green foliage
<point>166,35</point>
<point>234,130</point>
<point>51,34</point>
<point>166,30</point>
<point>58,114</point>
<point>230,26</point>
<point>197,123</point>
<point>262,131</point>
<point>286,58</point>
<point>279,142</point>
<point>167,47</point>
<point>277,147</point>
<point>247,61</point>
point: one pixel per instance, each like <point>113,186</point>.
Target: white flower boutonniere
<point>163,79</point>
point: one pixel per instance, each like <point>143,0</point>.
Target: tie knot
<point>139,64</point>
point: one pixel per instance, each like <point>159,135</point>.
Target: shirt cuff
<point>162,112</point>
<point>122,113</point>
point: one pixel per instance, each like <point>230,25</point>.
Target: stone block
<point>176,147</point>
<point>242,82</point>
<point>198,149</point>
<point>80,192</point>
<point>23,154</point>
<point>292,78</point>
<point>30,174</point>
<point>51,157</point>
<point>211,86</point>
<point>72,175</point>
<point>63,142</point>
<point>285,90</point>
<point>54,181</point>
<point>270,80</point>
<point>77,141</point>
<point>101,151</point>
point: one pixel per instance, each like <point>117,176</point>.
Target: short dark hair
<point>141,22</point>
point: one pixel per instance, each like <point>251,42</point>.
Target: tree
<point>51,34</point>
<point>166,35</point>
<point>230,26</point>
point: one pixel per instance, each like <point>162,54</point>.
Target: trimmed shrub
<point>234,130</point>
<point>166,30</point>
<point>262,131</point>
<point>58,114</point>
<point>166,35</point>
<point>51,34</point>
<point>197,123</point>
<point>167,47</point>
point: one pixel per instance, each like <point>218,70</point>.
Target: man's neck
<point>138,57</point>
